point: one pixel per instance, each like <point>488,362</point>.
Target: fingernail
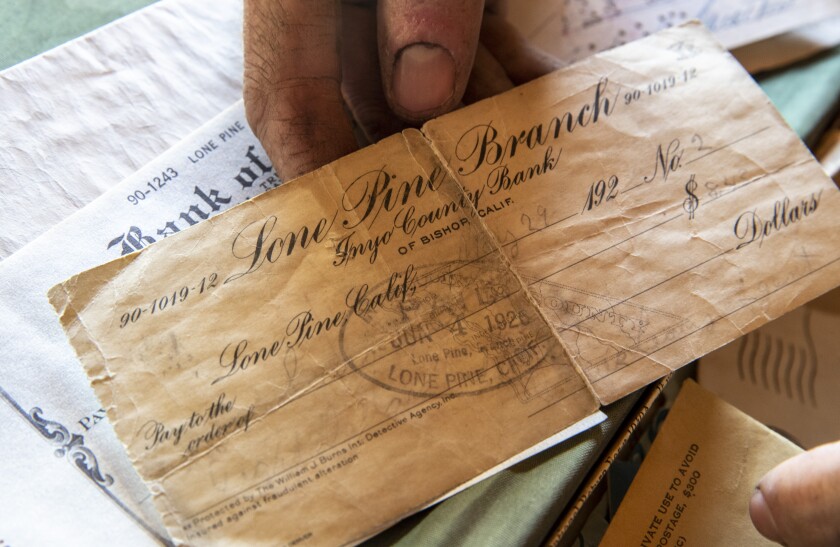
<point>762,517</point>
<point>424,78</point>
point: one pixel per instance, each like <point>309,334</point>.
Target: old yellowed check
<point>313,365</point>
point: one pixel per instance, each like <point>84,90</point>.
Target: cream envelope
<point>786,373</point>
<point>695,485</point>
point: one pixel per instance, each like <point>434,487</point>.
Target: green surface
<point>30,27</point>
<point>806,93</point>
<point>518,506</point>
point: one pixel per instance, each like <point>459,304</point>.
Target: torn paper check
<point>320,361</point>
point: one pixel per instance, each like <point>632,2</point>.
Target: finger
<point>360,82</point>
<point>291,88</point>
<point>798,502</point>
<point>426,51</point>
<point>521,60</point>
<point>488,77</point>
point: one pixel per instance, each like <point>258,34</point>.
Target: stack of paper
<point>425,309</point>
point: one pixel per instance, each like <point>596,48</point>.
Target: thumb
<point>426,52</point>
<point>798,502</point>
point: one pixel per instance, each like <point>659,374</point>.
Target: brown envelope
<point>695,485</point>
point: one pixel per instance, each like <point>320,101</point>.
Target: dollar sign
<point>692,202</point>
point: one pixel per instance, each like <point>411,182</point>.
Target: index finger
<point>292,86</point>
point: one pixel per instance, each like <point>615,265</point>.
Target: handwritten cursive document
<point>574,29</point>
<point>332,355</point>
